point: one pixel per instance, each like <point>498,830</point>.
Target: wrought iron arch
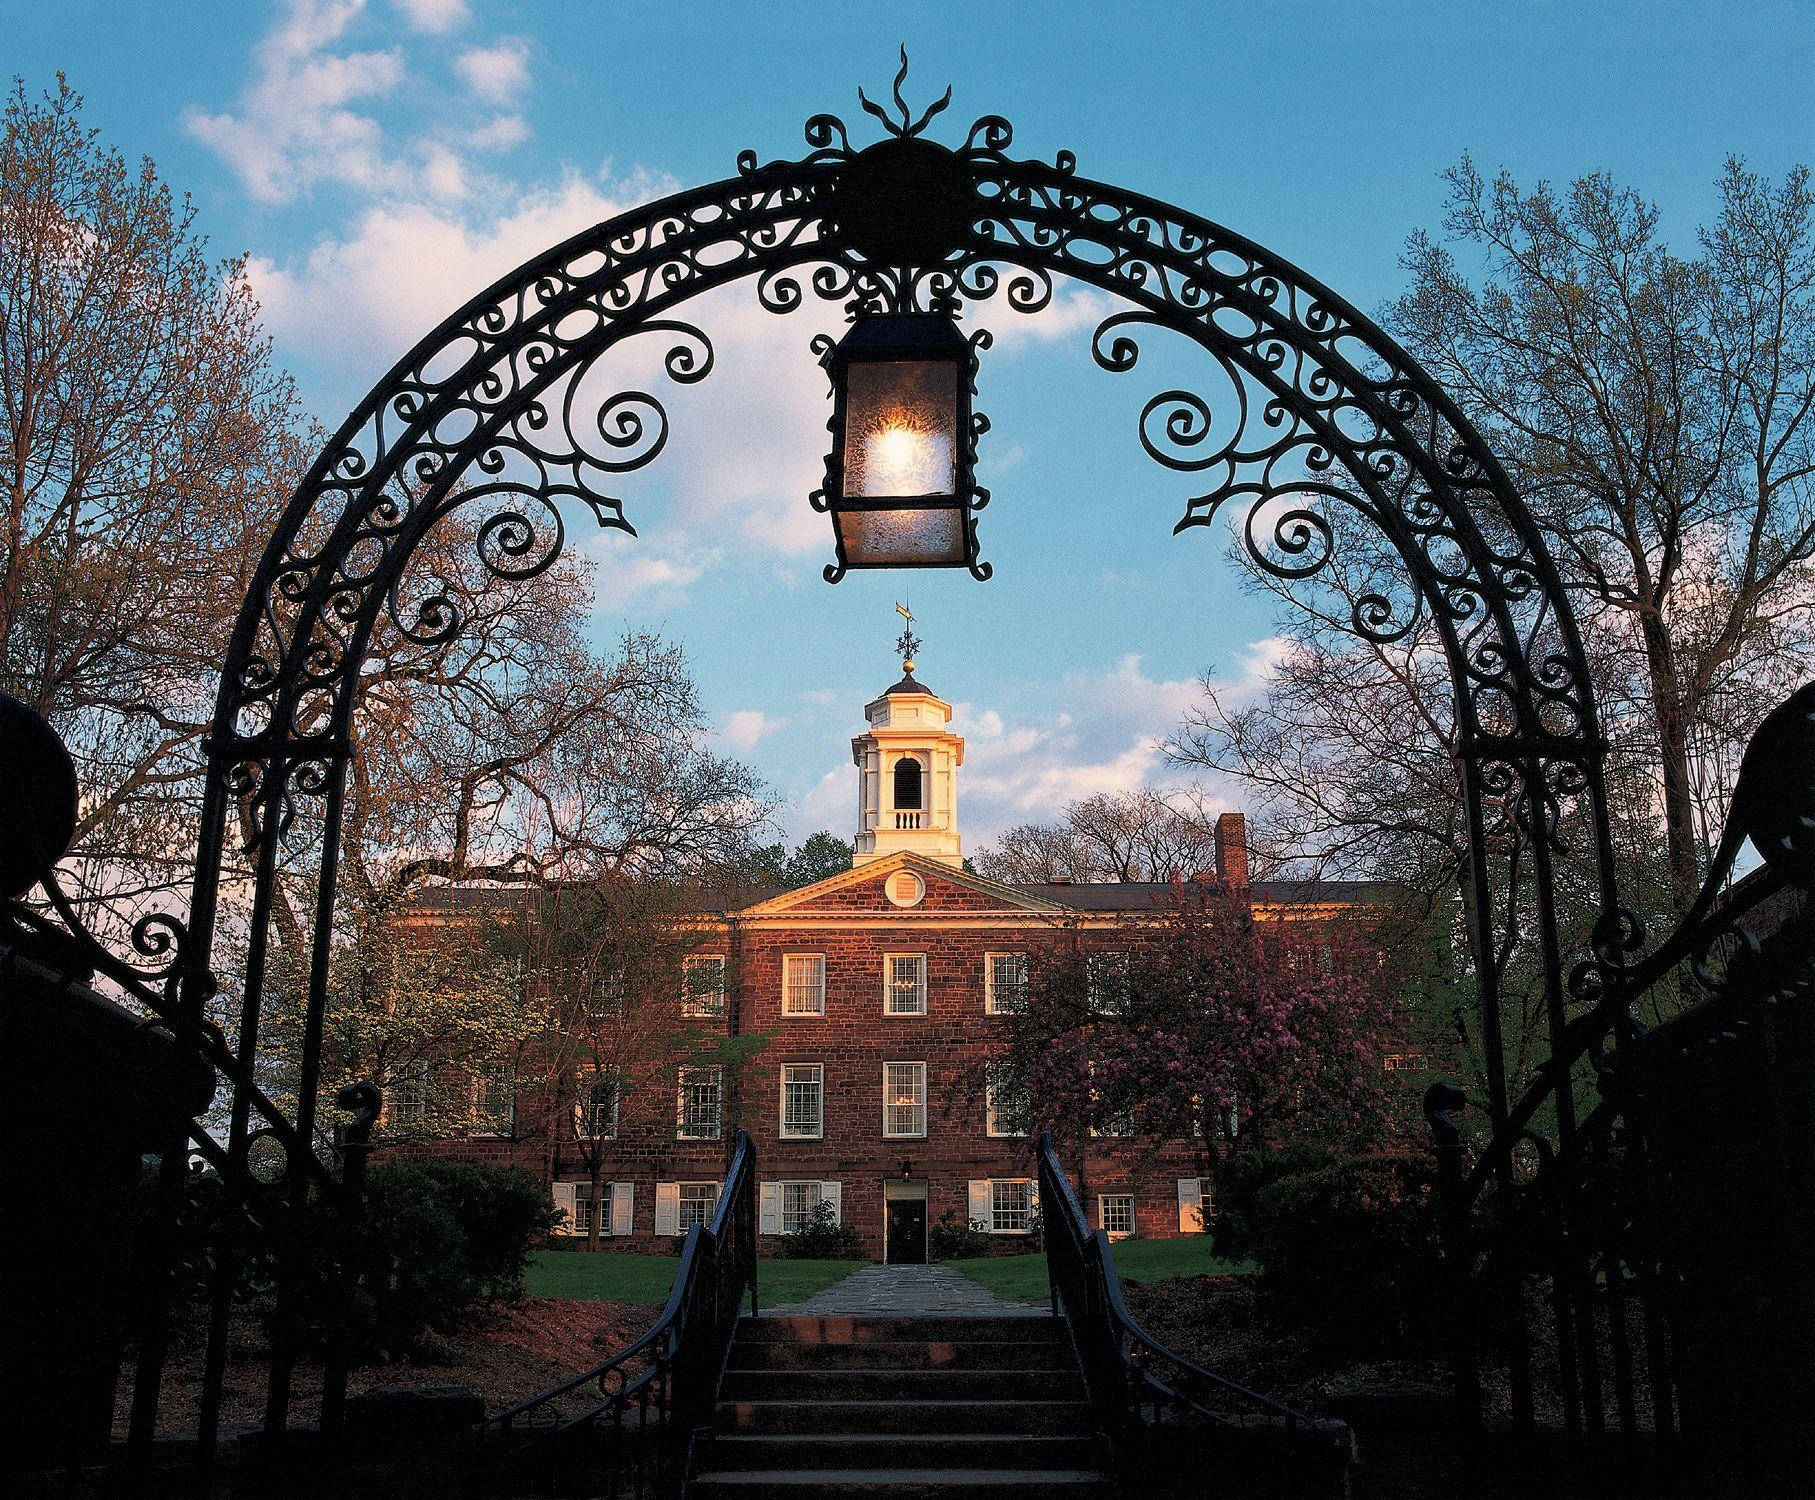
<point>492,412</point>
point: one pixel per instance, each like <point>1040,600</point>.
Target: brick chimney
<point>1232,848</point>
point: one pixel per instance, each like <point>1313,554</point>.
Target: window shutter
<point>623,1209</point>
<point>1190,1206</point>
<point>667,1208</point>
<point>768,1207</point>
<point>1033,1196</point>
<point>564,1200</point>
<point>979,1203</point>
<point>833,1193</point>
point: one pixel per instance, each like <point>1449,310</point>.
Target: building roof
<point>908,685</point>
<point>1144,895</point>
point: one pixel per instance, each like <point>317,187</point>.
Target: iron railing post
<point>365,1100</point>
<point>1442,1103</point>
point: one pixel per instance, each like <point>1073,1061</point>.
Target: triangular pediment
<point>863,890</point>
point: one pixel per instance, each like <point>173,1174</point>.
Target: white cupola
<point>907,773</point>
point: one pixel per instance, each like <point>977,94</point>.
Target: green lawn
<point>611,1276</point>
<point>1022,1278</point>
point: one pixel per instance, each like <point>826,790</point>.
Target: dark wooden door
<point>907,1232</point>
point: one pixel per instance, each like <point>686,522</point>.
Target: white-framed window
<point>698,1108</point>
<point>703,986</point>
<point>904,984</point>
<point>574,1199</point>
<point>1004,983</point>
<point>1115,1214</point>
<point>597,1106</point>
<point>788,1207</point>
<point>903,1100</point>
<point>803,1101</point>
<point>695,1204</point>
<point>803,984</point>
<point>1007,1112</point>
<point>494,1101</point>
<point>798,1200</point>
<point>1011,1205</point>
<point>1107,980</point>
<point>1196,1204</point>
<point>408,1105</point>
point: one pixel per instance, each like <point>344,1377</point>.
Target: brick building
<point>876,993</point>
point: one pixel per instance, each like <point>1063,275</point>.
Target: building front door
<point>905,1244</point>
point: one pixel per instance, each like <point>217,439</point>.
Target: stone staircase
<point>903,1407</point>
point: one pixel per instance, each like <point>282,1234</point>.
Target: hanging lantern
<point>899,478</point>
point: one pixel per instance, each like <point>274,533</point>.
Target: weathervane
<point>909,643</point>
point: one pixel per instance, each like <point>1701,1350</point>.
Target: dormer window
<point>907,784</point>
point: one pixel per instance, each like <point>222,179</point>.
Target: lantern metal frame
<point>907,338</point>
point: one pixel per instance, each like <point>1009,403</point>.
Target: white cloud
<point>649,572</point>
<point>366,298</point>
<point>498,74</point>
<point>295,124</point>
<point>499,133</point>
<point>744,728</point>
<point>434,16</point>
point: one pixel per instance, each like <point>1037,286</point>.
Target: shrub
<point>952,1238</point>
<point>430,1239</point>
<point>1239,1180</point>
<point>822,1237</point>
<point>1350,1250</point>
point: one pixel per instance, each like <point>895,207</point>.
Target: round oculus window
<point>905,888</point>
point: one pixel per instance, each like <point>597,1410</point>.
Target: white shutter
<point>623,1209</point>
<point>979,1203</point>
<point>564,1200</point>
<point>667,1208</point>
<point>833,1193</point>
<point>1033,1197</point>
<point>1190,1206</point>
<point>768,1207</point>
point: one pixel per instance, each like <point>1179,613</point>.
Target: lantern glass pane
<point>899,438</point>
<point>901,538</point>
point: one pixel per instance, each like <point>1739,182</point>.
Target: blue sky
<point>381,161</point>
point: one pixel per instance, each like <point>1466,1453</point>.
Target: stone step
<point>865,1450</point>
<point>901,1417</point>
<point>891,1354</point>
<point>881,1385</point>
<point>901,1484</point>
<point>948,1328</point>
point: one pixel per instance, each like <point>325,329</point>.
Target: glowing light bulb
<point>900,459</point>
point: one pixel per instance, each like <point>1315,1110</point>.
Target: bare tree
<point>148,441</point>
<point>1139,835</point>
<point>1658,414</point>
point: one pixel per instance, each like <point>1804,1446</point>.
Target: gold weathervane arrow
<point>909,643</point>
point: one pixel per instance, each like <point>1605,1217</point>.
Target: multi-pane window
<point>803,1092</point>
<point>905,976</point>
<point>798,1200</point>
<point>582,1208</point>
<point>1011,1209</point>
<point>1108,983</point>
<point>494,1102</point>
<point>803,984</point>
<point>598,1107</point>
<point>1004,983</point>
<point>408,1105</point>
<point>1007,1108</point>
<point>698,1109</point>
<point>703,986</point>
<point>904,1099</point>
<point>1115,1214</point>
<point>695,1204</point>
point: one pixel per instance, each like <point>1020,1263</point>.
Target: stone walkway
<point>924,1291</point>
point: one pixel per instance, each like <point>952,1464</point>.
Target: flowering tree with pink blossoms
<point>1206,1022</point>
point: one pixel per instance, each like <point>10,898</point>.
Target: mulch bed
<point>506,1352</point>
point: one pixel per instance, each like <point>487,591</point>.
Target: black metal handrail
<point>1135,1383</point>
<point>654,1395</point>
